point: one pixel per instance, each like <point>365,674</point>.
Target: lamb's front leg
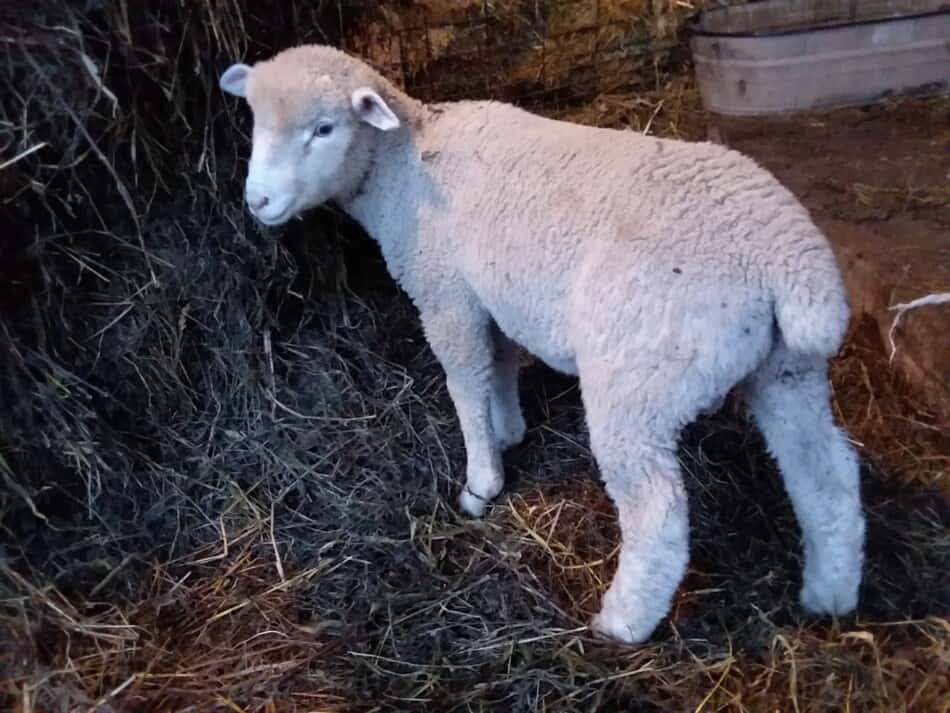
<point>462,341</point>
<point>507,419</point>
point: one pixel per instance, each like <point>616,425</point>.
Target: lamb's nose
<point>255,199</point>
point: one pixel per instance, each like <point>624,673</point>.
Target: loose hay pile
<point>229,462</point>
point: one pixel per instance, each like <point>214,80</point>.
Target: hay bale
<point>547,55</point>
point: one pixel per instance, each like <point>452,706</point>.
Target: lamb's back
<point>521,174</point>
<point>540,211</point>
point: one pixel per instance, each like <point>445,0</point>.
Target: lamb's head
<point>317,116</point>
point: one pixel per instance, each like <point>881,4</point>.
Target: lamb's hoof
<point>618,629</point>
<point>471,503</point>
<point>836,598</point>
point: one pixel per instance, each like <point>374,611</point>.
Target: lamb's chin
<point>274,223</point>
<point>282,219</point>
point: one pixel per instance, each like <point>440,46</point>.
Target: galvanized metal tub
<point>779,56</point>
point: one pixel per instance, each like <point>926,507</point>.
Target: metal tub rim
<point>694,25</point>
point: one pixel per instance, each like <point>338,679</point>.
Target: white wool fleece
<point>661,272</point>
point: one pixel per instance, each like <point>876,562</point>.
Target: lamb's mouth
<point>279,219</point>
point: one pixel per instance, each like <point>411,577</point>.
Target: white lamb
<point>660,272</point>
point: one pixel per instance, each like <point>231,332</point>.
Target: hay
<point>904,307</point>
<point>230,461</point>
<point>673,109</point>
<point>548,55</point>
<point>891,424</point>
<point>224,635</point>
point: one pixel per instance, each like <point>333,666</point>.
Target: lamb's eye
<point>323,130</point>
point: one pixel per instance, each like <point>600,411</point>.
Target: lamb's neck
<point>384,204</point>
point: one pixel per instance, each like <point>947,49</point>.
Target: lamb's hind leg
<point>653,515</point>
<point>639,467</point>
<point>789,400</point>
<point>507,419</point>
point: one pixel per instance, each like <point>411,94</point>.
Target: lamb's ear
<point>234,80</point>
<point>372,109</point>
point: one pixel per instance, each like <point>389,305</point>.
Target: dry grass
<point>674,109</point>
<point>550,54</point>
<point>230,461</point>
<point>906,439</point>
<point>225,634</point>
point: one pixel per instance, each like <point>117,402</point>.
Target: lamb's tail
<point>811,304</point>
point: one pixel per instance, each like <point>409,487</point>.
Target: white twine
<point>934,299</point>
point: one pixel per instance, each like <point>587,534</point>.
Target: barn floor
<point>296,546</point>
